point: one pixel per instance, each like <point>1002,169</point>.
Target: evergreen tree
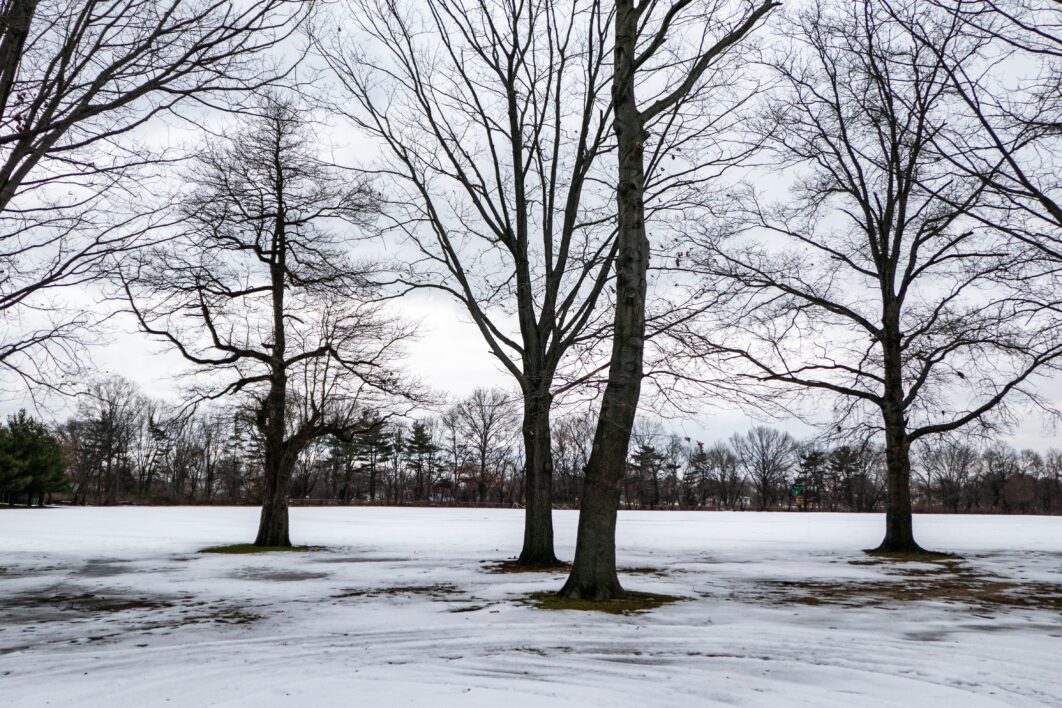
<point>845,467</point>
<point>31,461</point>
<point>646,464</point>
<point>420,450</point>
<point>810,486</point>
<point>699,476</point>
<point>373,446</point>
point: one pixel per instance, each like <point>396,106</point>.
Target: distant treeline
<point>123,447</point>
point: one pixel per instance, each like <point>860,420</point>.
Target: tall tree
<point>493,120</point>
<point>31,460</point>
<point>258,291</point>
<point>641,48</point>
<point>1010,108</point>
<point>110,414</point>
<point>812,477</point>
<point>952,463</point>
<point>78,80</point>
<point>422,450</point>
<point>766,455</point>
<point>487,419</point>
<point>931,317</point>
<point>373,447</point>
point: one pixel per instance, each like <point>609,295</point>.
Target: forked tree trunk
<point>538,483</point>
<point>593,575</point>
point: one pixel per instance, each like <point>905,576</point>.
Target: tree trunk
<point>593,575</point>
<point>272,417</point>
<point>273,524</point>
<point>538,483</point>
<point>899,529</point>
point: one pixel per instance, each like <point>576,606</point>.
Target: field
<point>395,607</point>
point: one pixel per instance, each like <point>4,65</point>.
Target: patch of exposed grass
<point>233,615</point>
<point>512,566</point>
<point>910,556</point>
<point>240,548</point>
<point>631,602</point>
<point>948,580</point>
<point>88,603</point>
<point>438,591</point>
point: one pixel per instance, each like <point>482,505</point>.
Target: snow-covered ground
<point>115,607</point>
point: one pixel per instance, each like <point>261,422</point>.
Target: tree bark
<point>538,482</point>
<point>899,529</point>
<point>272,417</point>
<point>279,463</point>
<point>273,523</point>
<point>593,575</point>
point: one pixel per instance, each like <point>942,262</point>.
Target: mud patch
<point>82,603</point>
<point>948,580</point>
<point>440,591</point>
<point>106,616</point>
<point>630,603</point>
<point>104,568</point>
<point>511,566</point>
<point>245,548</point>
<point>471,608</point>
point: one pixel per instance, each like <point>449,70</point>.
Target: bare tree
<point>644,46</point>
<point>100,441</point>
<point>728,482</point>
<point>572,433</point>
<point>951,464</point>
<point>766,455</point>
<point>1010,105</point>
<point>258,291</point>
<point>487,419</point>
<point>493,119</point>
<point>875,283</point>
<point>77,79</point>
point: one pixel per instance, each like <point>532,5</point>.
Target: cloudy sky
<point>451,356</point>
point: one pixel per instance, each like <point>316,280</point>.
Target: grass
<point>911,556</point>
<point>241,548</point>
<point>512,566</point>
<point>630,603</point>
<point>948,580</point>
<point>439,590</point>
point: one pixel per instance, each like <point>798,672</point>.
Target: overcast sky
<point>450,355</point>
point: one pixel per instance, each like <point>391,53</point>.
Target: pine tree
<point>700,470</point>
<point>373,446</point>
<point>809,486</point>
<point>421,449</point>
<point>646,464</point>
<point>31,462</point>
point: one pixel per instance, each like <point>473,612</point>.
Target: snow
<point>105,607</point>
